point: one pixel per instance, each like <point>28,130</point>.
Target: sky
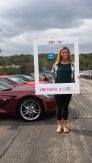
<point>23,21</point>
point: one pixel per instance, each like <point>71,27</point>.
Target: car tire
<point>30,109</point>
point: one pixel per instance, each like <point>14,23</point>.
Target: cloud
<point>39,14</point>
<point>21,21</point>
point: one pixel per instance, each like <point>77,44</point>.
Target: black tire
<point>30,109</point>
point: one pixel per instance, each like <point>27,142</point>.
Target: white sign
<point>56,88</point>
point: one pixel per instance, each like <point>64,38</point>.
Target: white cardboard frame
<point>56,88</point>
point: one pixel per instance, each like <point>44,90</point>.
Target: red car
<point>3,76</point>
<point>18,80</point>
<point>22,101</point>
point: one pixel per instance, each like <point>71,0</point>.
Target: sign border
<point>56,88</point>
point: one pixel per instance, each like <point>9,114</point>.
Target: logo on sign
<point>51,57</point>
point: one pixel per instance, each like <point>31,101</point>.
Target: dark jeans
<point>62,101</point>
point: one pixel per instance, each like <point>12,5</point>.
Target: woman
<point>63,72</point>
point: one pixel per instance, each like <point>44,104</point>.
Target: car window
<point>29,77</point>
<point>9,81</point>
<point>4,86</point>
<point>26,78</point>
<point>6,81</point>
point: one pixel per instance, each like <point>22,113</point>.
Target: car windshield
<point>26,78</point>
<point>16,79</point>
<point>7,81</point>
<point>4,86</point>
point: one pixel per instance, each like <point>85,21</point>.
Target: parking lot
<point>38,142</point>
<point>87,74</point>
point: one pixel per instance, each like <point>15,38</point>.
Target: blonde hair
<point>59,55</point>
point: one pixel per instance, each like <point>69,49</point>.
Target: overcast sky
<point>21,21</point>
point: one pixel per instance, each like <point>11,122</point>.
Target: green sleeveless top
<point>63,73</point>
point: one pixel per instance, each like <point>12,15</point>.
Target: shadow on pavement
<point>82,132</point>
<point>14,124</point>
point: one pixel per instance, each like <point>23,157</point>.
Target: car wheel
<point>30,109</point>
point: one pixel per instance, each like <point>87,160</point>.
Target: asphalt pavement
<point>38,142</point>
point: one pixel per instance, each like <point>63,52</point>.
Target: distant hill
<point>85,61</point>
<point>25,63</point>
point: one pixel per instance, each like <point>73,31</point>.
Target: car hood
<point>24,87</point>
<point>33,82</point>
